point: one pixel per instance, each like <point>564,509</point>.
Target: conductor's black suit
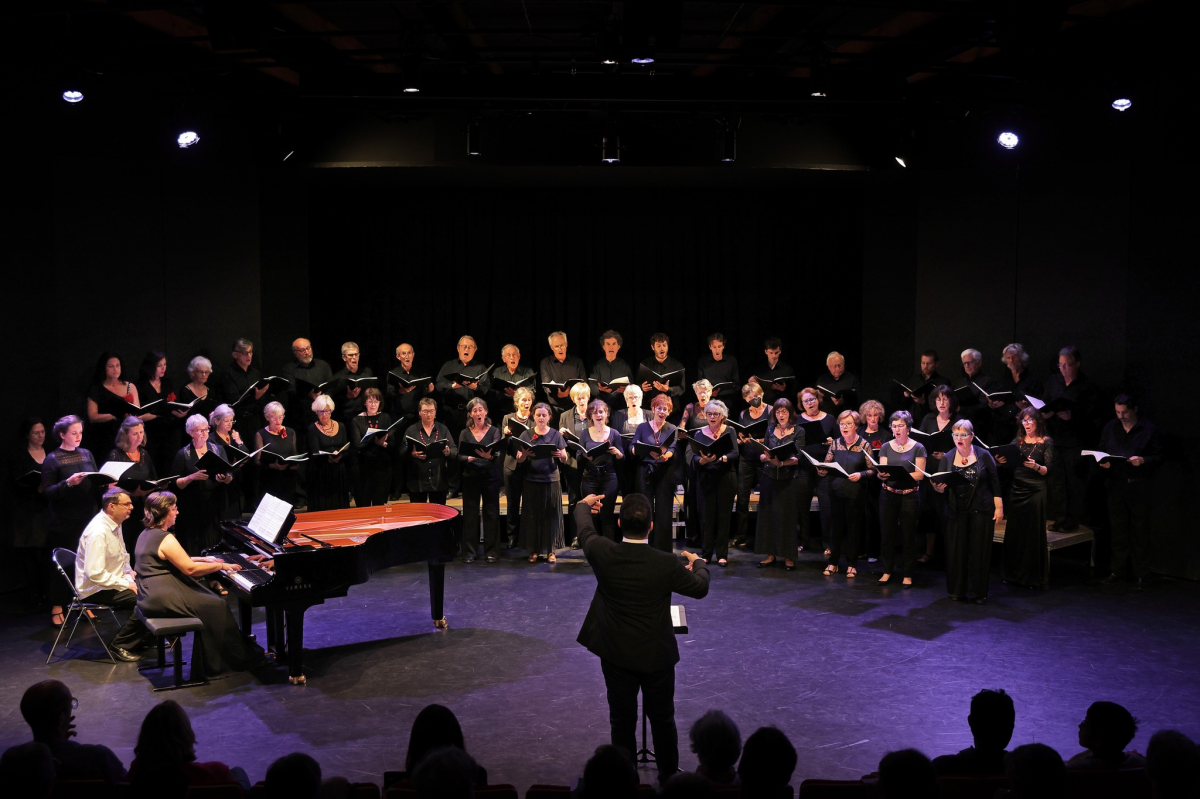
<point>629,627</point>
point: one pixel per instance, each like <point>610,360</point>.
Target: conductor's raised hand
<point>594,502</point>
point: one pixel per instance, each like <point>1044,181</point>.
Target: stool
<point>175,629</point>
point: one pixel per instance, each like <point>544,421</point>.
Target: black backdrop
<point>511,265</point>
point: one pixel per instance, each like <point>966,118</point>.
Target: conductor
<point>629,623</point>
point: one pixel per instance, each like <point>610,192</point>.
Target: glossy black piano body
<point>326,553</point>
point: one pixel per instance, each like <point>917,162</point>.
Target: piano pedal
<point>441,623</point>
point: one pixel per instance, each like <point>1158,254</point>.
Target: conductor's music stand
<point>679,626</point>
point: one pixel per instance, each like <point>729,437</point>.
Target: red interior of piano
<point>351,526</point>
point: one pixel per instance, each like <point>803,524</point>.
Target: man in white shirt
<point>103,574</point>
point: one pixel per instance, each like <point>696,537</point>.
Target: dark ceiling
<point>905,64</point>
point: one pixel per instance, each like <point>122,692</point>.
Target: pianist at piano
<point>167,588</point>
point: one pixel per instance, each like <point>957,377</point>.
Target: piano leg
<point>437,593</point>
<point>295,641</point>
<point>244,619</point>
<point>275,639</point>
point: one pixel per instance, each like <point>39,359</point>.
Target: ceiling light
<point>411,89</point>
<point>610,149</point>
<point>817,93</point>
<point>1121,104</point>
<point>646,59</point>
<point>72,96</point>
<point>609,61</point>
<point>902,161</point>
<point>187,139</point>
<point>1008,140</point>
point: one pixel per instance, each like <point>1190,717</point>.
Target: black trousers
<point>825,510</point>
<point>514,485</point>
<point>1129,518</point>
<point>658,700</point>
<point>133,634</point>
<point>872,487</point>
<point>715,497</point>
<point>847,513</point>
<point>480,489</point>
<point>657,482</point>
<point>1068,485</point>
<point>571,478</point>
<point>749,475</point>
<point>691,504</point>
<point>376,477</point>
<point>602,482</point>
<point>898,512</point>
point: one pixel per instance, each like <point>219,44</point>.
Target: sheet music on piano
<point>272,519</point>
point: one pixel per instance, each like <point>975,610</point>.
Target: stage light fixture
<point>608,62</point>
<point>412,89</point>
<point>1008,140</point>
<point>902,161</point>
<point>610,149</point>
<point>187,139</point>
<point>642,59</point>
<point>473,136</point>
<point>1121,104</point>
<point>74,96</point>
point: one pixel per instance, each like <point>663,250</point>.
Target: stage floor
<point>848,669</point>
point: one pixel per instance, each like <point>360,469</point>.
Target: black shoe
<point>469,559</point>
<point>766,564</point>
<point>453,494</point>
<point>493,559</point>
<point>574,544</point>
<point>124,654</point>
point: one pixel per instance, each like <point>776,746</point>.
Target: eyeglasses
<point>244,352</point>
<point>200,430</point>
<point>301,349</point>
<point>961,435</point>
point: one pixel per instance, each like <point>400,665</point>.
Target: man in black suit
<point>629,623</point>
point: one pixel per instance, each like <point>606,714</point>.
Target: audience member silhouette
<point>1035,771</point>
<point>294,776</point>
<point>435,727</point>
<point>717,744</point>
<point>446,773</point>
<point>688,785</point>
<point>1173,765</point>
<point>47,708</point>
<point>991,721</point>
<point>768,760</point>
<point>27,770</point>
<point>609,774</point>
<point>906,774</point>
<point>166,741</point>
<point>1106,730</point>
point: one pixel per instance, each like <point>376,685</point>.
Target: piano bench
<point>174,629</point>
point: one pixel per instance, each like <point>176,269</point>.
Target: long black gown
<point>328,482</point>
<point>279,483</point>
<point>778,504</point>
<point>1026,561</point>
<point>200,502</point>
<point>165,592</point>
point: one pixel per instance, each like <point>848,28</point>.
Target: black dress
<point>541,501</point>
<point>750,477</point>
<point>657,480</point>
<point>1026,560</point>
<point>328,481</point>
<point>164,433</point>
<point>164,591</point>
<point>28,511</point>
<point>231,499</point>
<point>599,476</point>
<point>203,406</point>
<point>280,483</point>
<point>99,436</point>
<point>200,502</point>
<point>778,503</point>
<point>970,526</point>
<point>70,507</point>
<point>374,459</point>
<point>144,469</point>
<point>717,483</point>
<point>513,476</point>
<point>480,489</point>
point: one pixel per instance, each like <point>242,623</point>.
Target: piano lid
<point>352,525</point>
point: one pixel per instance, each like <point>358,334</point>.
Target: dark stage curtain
<point>390,264</point>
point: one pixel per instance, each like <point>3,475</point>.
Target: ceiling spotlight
<point>1008,140</point>
<point>72,96</point>
<point>902,161</point>
<point>610,149</point>
<point>1121,104</point>
<point>817,93</point>
<point>187,139</point>
<point>412,89</point>
<point>645,59</point>
<point>473,136</point>
<point>608,62</point>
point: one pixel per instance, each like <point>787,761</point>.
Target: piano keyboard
<point>249,578</point>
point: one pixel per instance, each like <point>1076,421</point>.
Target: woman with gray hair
<point>714,458</point>
<point>197,389</point>
<point>328,482</point>
<point>220,431</point>
<point>693,419</point>
<point>276,476</point>
<point>1017,379</point>
<point>201,495</point>
<point>975,507</point>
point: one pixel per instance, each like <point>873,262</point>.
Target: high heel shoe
<point>762,564</point>
<point>789,566</point>
<point>907,582</point>
<point>885,579</point>
<point>830,570</point>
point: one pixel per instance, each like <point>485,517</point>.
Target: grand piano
<point>322,555</point>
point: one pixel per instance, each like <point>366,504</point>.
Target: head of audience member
<point>835,362</point>
<point>199,369</point>
<point>302,351</point>
<point>108,369</point>
<point>350,356</point>
<point>523,401</point>
<point>610,774</point>
<point>906,774</point>
<point>47,708</point>
<point>1173,764</point>
<point>717,744</point>
<point>27,770</point>
<point>31,433</point>
<point>294,776</point>
<point>768,761</point>
<point>943,400</point>
<point>752,394</point>
<point>131,435</point>
<point>159,510</point>
<point>405,355</point>
<point>636,518</point>
<point>929,363</point>
<point>68,432</point>
<point>716,345</point>
<point>510,354</point>
<point>243,352</point>
<point>703,389</point>
<point>688,785</point>
<point>1015,358</point>
<point>1035,771</point>
<point>772,348</point>
<point>991,720</point>
<point>971,362</point>
<point>435,726</point>
<point>466,349</point>
<point>445,773</point>
<point>154,366</point>
<point>558,345</point>
<point>1030,424</point>
<point>660,344</point>
<point>1106,730</point>
<point>1070,363</point>
<point>166,737</point>
<point>611,342</point>
<point>1126,408</point>
<point>116,504</point>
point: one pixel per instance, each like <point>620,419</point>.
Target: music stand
<point>679,626</point>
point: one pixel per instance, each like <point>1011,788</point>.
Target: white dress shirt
<point>102,560</point>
